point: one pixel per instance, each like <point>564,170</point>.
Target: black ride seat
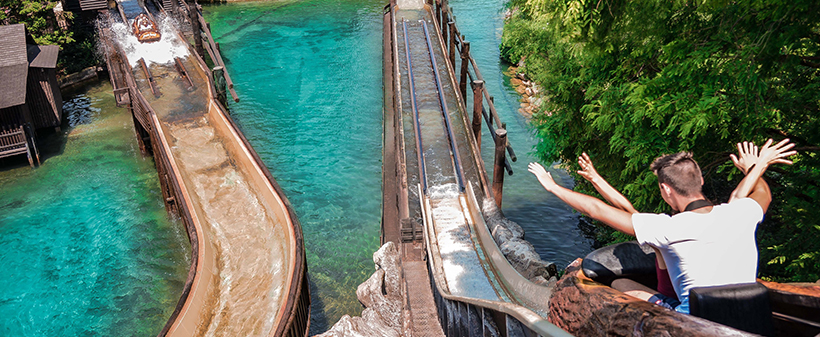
<point>741,306</point>
<point>622,260</point>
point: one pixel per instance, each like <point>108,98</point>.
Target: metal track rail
<point>443,102</point>
<point>416,123</point>
<point>444,111</point>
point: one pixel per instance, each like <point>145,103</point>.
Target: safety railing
<point>455,43</point>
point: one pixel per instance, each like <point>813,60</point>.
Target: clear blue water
<point>309,77</point>
<point>549,224</point>
<point>86,246</point>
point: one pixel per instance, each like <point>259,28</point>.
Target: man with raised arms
<point>702,245</point>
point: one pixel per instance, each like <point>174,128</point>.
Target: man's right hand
<point>544,177</point>
<point>747,156</point>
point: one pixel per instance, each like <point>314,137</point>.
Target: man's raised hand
<point>587,169</point>
<point>544,177</point>
<point>747,156</point>
<point>775,154</point>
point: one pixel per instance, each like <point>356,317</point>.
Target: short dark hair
<point>680,172</point>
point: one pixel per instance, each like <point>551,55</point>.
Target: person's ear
<point>666,189</point>
<point>701,181</point>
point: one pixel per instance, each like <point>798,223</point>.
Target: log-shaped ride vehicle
<point>584,304</point>
<point>145,29</point>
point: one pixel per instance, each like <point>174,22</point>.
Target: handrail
<point>458,43</point>
<point>444,111</point>
<point>416,123</point>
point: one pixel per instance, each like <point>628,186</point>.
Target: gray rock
<point>381,295</point>
<point>510,239</point>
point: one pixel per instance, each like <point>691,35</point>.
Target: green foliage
<point>39,18</point>
<point>627,81</point>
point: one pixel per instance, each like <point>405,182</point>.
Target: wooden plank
<point>150,77</point>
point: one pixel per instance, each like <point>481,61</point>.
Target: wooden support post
<point>478,106</point>
<point>498,166</point>
<point>443,25</point>
<point>443,17</point>
<point>465,61</point>
<point>196,28</point>
<point>219,83</point>
<point>451,27</point>
<point>438,9</point>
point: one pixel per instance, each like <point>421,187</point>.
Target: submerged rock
<point>381,296</point>
<point>522,255</point>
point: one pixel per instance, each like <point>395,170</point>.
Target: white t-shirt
<point>701,250</point>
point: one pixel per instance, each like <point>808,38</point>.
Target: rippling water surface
<point>86,247</point>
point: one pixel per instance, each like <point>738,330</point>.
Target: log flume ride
<point>584,304</point>
<point>145,29</point>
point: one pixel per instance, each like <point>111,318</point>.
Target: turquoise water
<point>86,247</point>
<point>309,77</point>
<point>549,224</point>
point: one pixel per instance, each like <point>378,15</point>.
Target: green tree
<point>39,18</point>
<point>627,81</point>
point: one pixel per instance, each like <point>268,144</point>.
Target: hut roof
<point>42,56</point>
<point>84,5</point>
<point>13,65</point>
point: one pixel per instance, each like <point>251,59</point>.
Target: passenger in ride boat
<point>702,245</point>
<point>665,294</point>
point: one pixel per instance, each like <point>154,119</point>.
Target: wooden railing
<point>455,43</point>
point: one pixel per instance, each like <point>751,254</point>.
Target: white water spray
<point>161,52</point>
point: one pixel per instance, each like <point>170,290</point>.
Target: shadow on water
<point>318,319</point>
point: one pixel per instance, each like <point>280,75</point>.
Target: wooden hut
<point>29,95</point>
<point>84,5</point>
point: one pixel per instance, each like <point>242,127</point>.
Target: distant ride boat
<point>146,30</point>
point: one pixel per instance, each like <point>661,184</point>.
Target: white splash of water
<point>160,52</point>
<point>443,191</point>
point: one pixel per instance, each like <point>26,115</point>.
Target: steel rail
<point>416,123</point>
<point>444,110</point>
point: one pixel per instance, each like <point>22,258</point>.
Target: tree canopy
<point>39,18</point>
<point>627,81</point>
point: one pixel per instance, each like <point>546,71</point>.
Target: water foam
<point>161,52</point>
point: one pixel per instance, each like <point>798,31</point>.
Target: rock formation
<point>522,256</point>
<point>381,296</point>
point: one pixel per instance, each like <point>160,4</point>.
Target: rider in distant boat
<point>145,30</point>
